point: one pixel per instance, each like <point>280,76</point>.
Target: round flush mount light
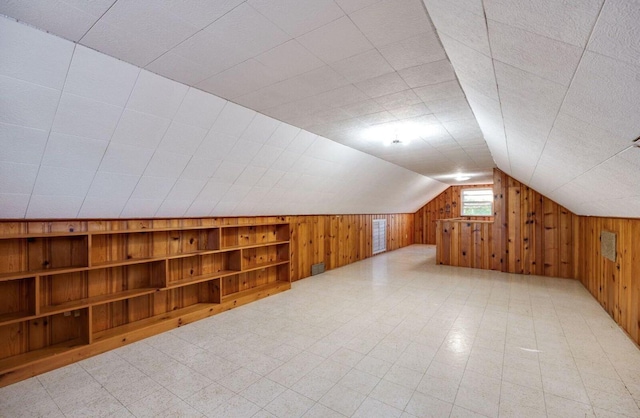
<point>462,177</point>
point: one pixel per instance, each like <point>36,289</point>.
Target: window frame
<point>462,200</point>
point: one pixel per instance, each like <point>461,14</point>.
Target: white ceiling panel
<point>472,67</point>
<point>233,120</point>
<point>24,49</point>
<point>109,185</point>
<point>152,188</point>
<point>289,59</point>
<point>363,66</point>
<point>145,21</point>
<point>200,13</point>
<point>16,178</point>
<point>199,109</point>
<point>53,206</point>
<point>14,206</point>
<point>96,207</point>
<point>22,145</point>
<point>548,58</point>
<point>567,21</point>
<point>167,164</point>
<point>426,74</point>
<point>96,76</point>
<point>260,128</point>
<point>173,208</point>
<point>200,168</point>
<point>176,67</point>
<point>156,95</point>
<point>335,41</point>
<point>140,129</point>
<point>240,79</point>
<point>57,181</point>
<point>181,139</point>
<point>27,104</point>
<point>125,159</point>
<point>414,51</point>
<point>382,85</point>
<point>69,19</point>
<point>238,35</point>
<point>68,151</point>
<point>460,23</point>
<point>616,32</point>
<point>186,189</point>
<point>391,21</point>
<point>135,206</point>
<point>444,90</point>
<point>605,92</point>
<point>296,17</point>
<point>243,151</point>
<point>80,116</point>
<point>114,42</point>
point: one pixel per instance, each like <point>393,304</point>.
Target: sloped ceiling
<point>85,135</point>
<point>359,72</point>
<point>553,86</point>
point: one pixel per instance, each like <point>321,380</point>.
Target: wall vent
<point>317,269</point>
<point>379,238</point>
<point>608,245</point>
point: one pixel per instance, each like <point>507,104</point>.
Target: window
<point>477,202</point>
<point>379,235</point>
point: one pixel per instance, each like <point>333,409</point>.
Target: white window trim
<point>462,207</point>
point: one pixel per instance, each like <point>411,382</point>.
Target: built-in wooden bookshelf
<point>73,289</point>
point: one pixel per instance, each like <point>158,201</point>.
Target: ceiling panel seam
<point>565,95</point>
<point>50,129</point>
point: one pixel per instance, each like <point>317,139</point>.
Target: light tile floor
<point>392,336</point>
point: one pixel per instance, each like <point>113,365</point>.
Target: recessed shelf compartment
<point>107,249</point>
<point>36,339</point>
<point>257,257</point>
<point>196,268</point>
<point>23,256</point>
<point>75,290</point>
<point>137,313</point>
<point>18,300</point>
<point>251,235</point>
<point>247,281</point>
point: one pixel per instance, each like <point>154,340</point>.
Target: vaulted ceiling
<point>545,90</point>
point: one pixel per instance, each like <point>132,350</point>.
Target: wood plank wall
<point>535,233</point>
<point>530,234</point>
<point>444,206</point>
<point>338,240</point>
<point>615,285</point>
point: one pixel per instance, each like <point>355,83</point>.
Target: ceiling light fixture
<point>461,177</point>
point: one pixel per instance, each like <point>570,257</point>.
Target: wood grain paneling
<point>530,234</point>
<point>338,240</point>
<point>614,284</point>
<point>444,206</point>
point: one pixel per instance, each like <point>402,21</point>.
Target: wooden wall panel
<point>338,240</point>
<point>615,285</point>
<point>444,206</point>
<point>530,234</point>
